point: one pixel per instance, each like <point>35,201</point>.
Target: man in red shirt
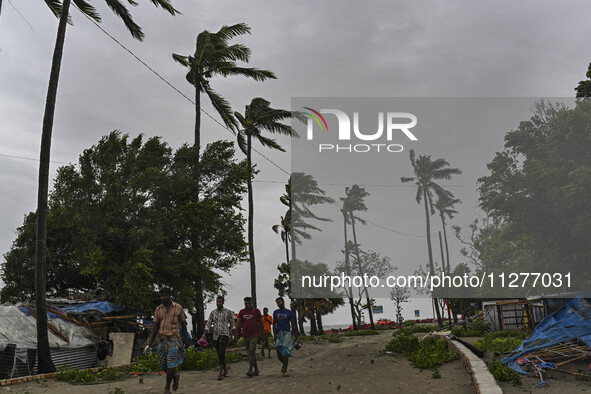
<point>171,352</point>
<point>251,323</point>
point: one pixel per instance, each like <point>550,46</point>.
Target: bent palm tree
<point>214,56</point>
<point>354,202</point>
<point>45,364</point>
<point>258,117</point>
<point>444,206</point>
<point>426,172</point>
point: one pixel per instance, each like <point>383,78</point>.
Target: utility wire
<point>174,88</point>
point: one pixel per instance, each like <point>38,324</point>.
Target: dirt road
<point>353,366</point>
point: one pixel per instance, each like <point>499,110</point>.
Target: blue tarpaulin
<point>571,321</point>
<point>101,306</point>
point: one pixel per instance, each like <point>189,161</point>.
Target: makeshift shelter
<point>559,338</point>
<point>70,343</point>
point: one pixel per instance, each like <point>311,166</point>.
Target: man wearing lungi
<point>283,325</point>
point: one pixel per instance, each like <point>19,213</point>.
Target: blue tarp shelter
<point>105,307</point>
<point>571,321</point>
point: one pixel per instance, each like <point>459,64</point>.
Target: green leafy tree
<point>259,117</point>
<point>426,173</point>
<point>583,89</point>
<point>536,194</point>
<point>45,364</point>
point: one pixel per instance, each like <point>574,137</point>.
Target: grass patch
<point>361,333</point>
<point>503,373</point>
<point>194,360</point>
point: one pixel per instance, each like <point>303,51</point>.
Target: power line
<point>174,88</point>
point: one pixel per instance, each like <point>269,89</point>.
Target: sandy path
<point>317,368</point>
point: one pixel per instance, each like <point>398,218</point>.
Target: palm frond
<point>228,32</point>
<point>242,142</point>
<point>123,13</point>
<point>87,10</point>
<point>183,60</point>
<point>55,6</point>
<point>166,5</point>
<point>250,72</point>
<point>222,106</point>
<point>268,142</point>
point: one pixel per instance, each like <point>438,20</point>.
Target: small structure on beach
<point>70,342</point>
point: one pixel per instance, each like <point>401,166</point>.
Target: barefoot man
<point>268,325</point>
<point>283,325</point>
<point>171,352</point>
<point>250,321</point>
<point>221,323</point>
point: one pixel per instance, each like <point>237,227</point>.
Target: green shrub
<point>66,373</point>
<point>415,328</point>
<point>503,373</point>
<point>403,343</point>
<point>146,363</point>
<point>475,328</point>
<point>431,352</point>
<point>332,338</point>
<point>362,333</point>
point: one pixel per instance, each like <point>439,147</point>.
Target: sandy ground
<point>345,367</point>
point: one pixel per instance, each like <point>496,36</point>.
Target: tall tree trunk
<point>199,318</point>
<point>347,264</point>
<point>286,249</point>
<point>319,322</point>
<point>199,303</point>
<point>313,326</point>
<point>295,291</point>
<point>253,274</point>
<point>45,363</point>
<point>443,268</point>
<point>455,318</point>
<point>431,268</point>
<point>369,306</point>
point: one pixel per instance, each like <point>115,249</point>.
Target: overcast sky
<point>317,49</point>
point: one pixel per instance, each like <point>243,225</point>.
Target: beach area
<point>355,365</point>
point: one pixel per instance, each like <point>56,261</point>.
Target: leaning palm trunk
<point>45,364</point>
<point>429,248</point>
<point>294,280</point>
<point>319,322</point>
<point>369,306</point>
<point>455,318</point>
<point>347,264</point>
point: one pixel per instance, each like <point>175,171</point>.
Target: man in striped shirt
<point>171,352</point>
<point>221,324</point>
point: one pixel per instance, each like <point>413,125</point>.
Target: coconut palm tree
<point>301,193</point>
<point>353,202</point>
<point>214,56</point>
<point>61,10</point>
<point>444,205</point>
<point>259,117</point>
<point>283,229</point>
<point>426,172</point>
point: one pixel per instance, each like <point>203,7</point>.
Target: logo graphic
<point>393,123</point>
<point>316,118</point>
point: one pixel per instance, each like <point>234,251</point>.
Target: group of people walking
<point>275,331</point>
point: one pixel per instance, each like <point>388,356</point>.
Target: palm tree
<point>214,56</point>
<point>351,203</point>
<point>45,364</point>
<point>283,229</point>
<point>302,192</point>
<point>426,172</point>
<point>258,117</point>
<point>444,206</point>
